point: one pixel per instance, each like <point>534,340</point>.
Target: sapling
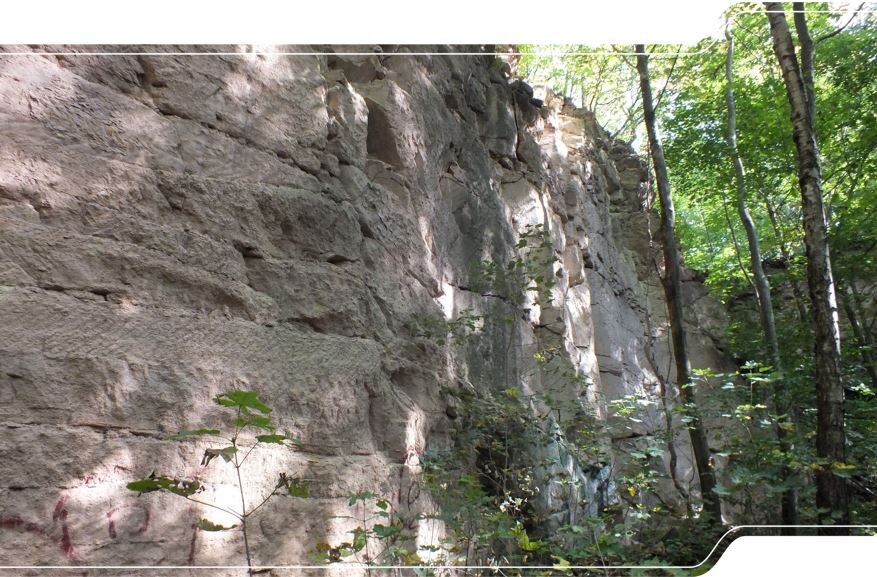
<point>251,415</point>
<point>378,524</point>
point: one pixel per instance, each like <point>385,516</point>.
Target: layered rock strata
<point>173,226</point>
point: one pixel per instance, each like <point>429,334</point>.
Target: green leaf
<point>177,486</point>
<point>145,485</point>
<point>227,454</point>
<point>722,490</point>
<point>385,531</point>
<point>382,504</point>
<point>297,488</point>
<point>359,539</point>
<point>843,470</point>
<point>276,439</point>
<point>193,433</point>
<point>294,487</point>
<point>249,420</point>
<point>243,400</point>
<point>361,496</point>
<point>321,552</point>
<point>206,525</point>
<point>185,488</point>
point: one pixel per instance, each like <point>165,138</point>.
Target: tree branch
<point>223,509</point>
<point>841,29</point>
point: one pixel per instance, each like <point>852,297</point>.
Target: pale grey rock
<point>174,226</point>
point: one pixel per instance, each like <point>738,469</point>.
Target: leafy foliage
<point>249,412</point>
<point>379,538</point>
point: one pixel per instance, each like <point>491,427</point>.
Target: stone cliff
<point>175,226</point>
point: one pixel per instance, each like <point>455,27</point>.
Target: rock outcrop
<point>174,226</point>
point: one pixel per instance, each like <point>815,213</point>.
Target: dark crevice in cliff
<point>486,294</point>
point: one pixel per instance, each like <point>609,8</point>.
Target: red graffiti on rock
<point>59,515</point>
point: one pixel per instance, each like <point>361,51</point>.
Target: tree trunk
<point>863,337</point>
<point>831,490</point>
<point>672,282</point>
<point>803,315</point>
<point>806,43</point>
<point>789,502</point>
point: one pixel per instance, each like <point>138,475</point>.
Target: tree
<point>832,498</point>
<point>762,285</point>
<point>250,413</point>
<point>672,282</point>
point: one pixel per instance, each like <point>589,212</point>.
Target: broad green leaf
<point>227,454</point>
<point>320,553</point>
<point>359,539</point>
<point>276,439</point>
<point>361,496</point>
<point>145,485</point>
<point>185,488</point>
<point>385,531</point>
<point>206,525</point>
<point>844,470</point>
<point>242,399</point>
<point>177,486</point>
<point>250,420</point>
<point>297,488</point>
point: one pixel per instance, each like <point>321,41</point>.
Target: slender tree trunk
<point>789,500</point>
<point>806,43</point>
<point>672,282</point>
<point>863,337</point>
<point>798,294</point>
<point>831,490</point>
<point>743,270</point>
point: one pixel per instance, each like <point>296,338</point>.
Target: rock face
<point>175,226</point>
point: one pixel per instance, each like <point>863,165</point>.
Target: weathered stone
<point>175,226</point>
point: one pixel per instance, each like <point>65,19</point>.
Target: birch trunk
<point>789,501</point>
<point>831,490</point>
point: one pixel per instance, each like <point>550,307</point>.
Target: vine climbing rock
<point>174,226</point>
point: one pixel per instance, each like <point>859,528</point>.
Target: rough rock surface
<point>174,226</point>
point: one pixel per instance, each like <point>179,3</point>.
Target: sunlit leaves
<point>249,412</point>
<point>845,470</point>
<point>181,487</point>
<point>227,454</point>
